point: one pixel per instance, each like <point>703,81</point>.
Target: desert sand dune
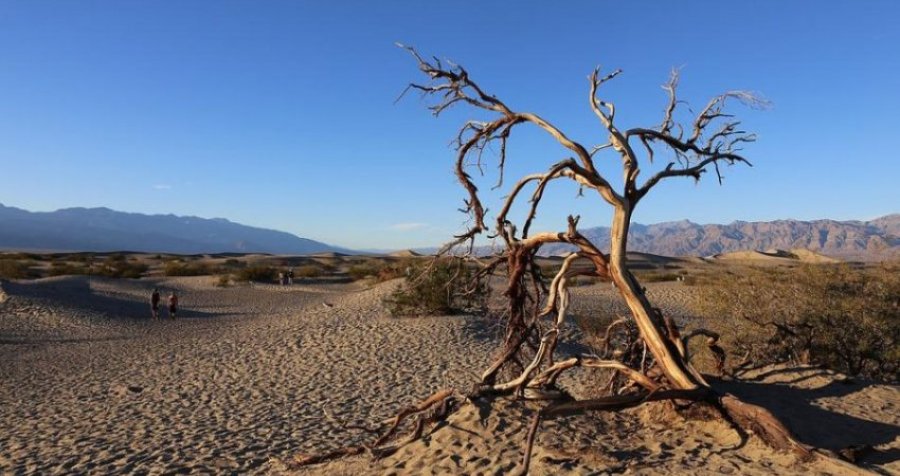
<point>405,254</point>
<point>246,374</point>
<point>251,375</point>
<point>776,256</point>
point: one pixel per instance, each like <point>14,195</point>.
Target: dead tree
<point>647,355</point>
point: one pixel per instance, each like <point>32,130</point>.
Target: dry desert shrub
<point>845,318</point>
<point>381,270</point>
<point>658,276</point>
<point>363,270</point>
<point>439,287</point>
<point>308,271</point>
<point>181,268</point>
<point>65,268</point>
<point>233,263</point>
<point>15,269</point>
<point>257,273</point>
<point>119,266</point>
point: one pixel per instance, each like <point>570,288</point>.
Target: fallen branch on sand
<point>442,402</point>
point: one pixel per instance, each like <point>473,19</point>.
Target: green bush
<point>258,273</point>
<point>380,270</point>
<point>444,287</point>
<point>833,315</point>
<point>59,268</point>
<point>117,266</point>
<point>234,263</point>
<point>180,268</point>
<point>363,271</point>
<point>308,271</point>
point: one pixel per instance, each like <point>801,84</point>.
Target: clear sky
<point>281,114</point>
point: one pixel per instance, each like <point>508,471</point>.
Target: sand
<point>776,256</point>
<point>248,376</point>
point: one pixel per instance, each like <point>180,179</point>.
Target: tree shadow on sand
<point>817,426</point>
<point>479,328</point>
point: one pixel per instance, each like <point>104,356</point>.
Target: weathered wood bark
<point>763,423</point>
<point>676,369</point>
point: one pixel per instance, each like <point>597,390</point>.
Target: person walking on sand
<point>154,303</point>
<point>173,305</point>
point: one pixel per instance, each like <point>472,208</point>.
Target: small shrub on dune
<point>381,271</point>
<point>362,271</point>
<point>233,263</point>
<point>60,268</point>
<point>257,273</point>
<point>308,271</point>
<point>442,287</point>
<point>15,269</point>
<point>180,268</point>
<point>326,268</point>
<point>117,266</point>
<point>392,271</point>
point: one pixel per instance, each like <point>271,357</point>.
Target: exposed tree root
<point>442,401</point>
<point>763,423</point>
<point>434,399</point>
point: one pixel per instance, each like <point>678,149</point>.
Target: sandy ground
<point>249,376</point>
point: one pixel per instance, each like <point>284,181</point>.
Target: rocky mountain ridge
<point>871,240</point>
<point>103,229</point>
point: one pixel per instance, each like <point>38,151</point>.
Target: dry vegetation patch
<point>439,287</point>
<point>843,317</point>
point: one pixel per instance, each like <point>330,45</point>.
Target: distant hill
<point>856,240</point>
<point>801,255</point>
<point>102,229</point>
<point>405,254</point>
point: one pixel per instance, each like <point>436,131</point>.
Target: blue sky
<point>281,114</point>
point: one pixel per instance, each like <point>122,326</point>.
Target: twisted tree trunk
<point>677,370</point>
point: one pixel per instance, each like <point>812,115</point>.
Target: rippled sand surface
<point>248,376</point>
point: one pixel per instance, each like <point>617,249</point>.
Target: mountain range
<point>102,229</point>
<point>854,240</point>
